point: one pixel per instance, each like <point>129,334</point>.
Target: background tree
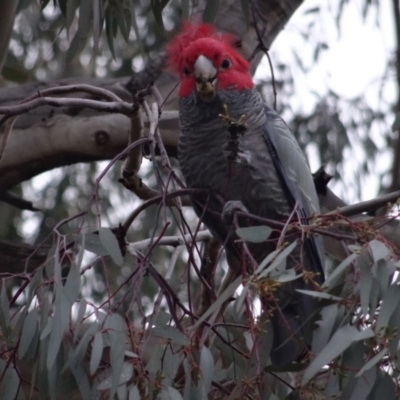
<point>135,311</point>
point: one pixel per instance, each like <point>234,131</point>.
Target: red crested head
<point>206,60</point>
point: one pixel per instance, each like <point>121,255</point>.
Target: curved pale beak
<point>206,77</point>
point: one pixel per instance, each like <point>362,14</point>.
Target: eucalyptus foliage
<point>102,319</point>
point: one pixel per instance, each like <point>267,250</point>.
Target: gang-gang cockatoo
<point>259,168</point>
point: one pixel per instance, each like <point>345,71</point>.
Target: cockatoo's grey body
<point>264,170</point>
<point>269,177</point>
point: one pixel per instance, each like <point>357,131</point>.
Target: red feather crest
<point>188,35</point>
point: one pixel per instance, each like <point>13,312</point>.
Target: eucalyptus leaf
<point>322,334</point>
<point>82,380</point>
<point>78,43</point>
<point>97,352</point>
<point>207,371</point>
<point>389,304</point>
<point>170,393</point>
<point>59,323</point>
<point>254,234</point>
<point>9,383</point>
<point>339,342</point>
<point>365,286</point>
<point>134,393</point>
<point>116,327</point>
<point>93,244</point>
<point>364,385</point>
<point>339,270</point>
<point>28,332</point>
<point>396,123</point>
<point>378,250</point>
<point>320,295</point>
<point>110,243</point>
<point>225,295</point>
<point>278,261</point>
<point>372,362</point>
<point>171,334</point>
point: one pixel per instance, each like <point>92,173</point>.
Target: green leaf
<point>97,352</point>
<point>396,123</point>
<point>82,380</point>
<point>110,243</point>
<point>278,261</point>
<point>254,234</point>
<point>82,310</point>
<point>207,372</point>
<point>78,354</point>
<point>365,285</point>
<point>46,330</point>
<point>374,296</point>
<point>364,334</point>
<point>378,250</point>
<point>35,281</point>
<point>93,244</point>
<point>288,277</point>
<point>210,11</point>
<point>78,43</point>
<point>158,6</point>
<point>71,7</point>
<point>122,391</point>
<point>116,327</point>
<point>170,393</point>
<point>384,388</point>
<point>79,318</point>
<point>320,295</point>
<point>111,29</point>
<point>267,260</point>
<point>123,18</point>
<point>373,361</point>
<point>394,324</point>
<point>338,270</point>
<point>339,342</point>
<point>127,373</point>
<point>364,384</point>
<point>72,286</point>
<point>9,383</point>
<point>171,334</point>
<point>59,324</point>
<point>240,300</point>
<point>134,393</point>
<point>225,295</point>
<point>325,325</point>
<point>139,42</point>
<point>98,22</point>
<point>28,332</point>
<point>188,378</point>
<point>389,304</point>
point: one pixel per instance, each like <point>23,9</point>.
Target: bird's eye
<point>226,63</point>
<point>185,70</point>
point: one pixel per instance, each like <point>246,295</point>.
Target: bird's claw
<point>229,209</point>
<point>236,129</point>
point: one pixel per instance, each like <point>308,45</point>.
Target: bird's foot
<point>236,129</point>
<point>230,207</point>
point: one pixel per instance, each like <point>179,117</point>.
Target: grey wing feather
<point>292,166</point>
